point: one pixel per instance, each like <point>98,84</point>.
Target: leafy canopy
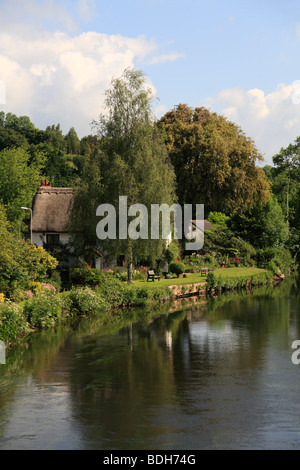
<point>132,161</point>
<point>214,162</point>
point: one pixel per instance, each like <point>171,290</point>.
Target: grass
<point>189,279</point>
<point>234,278</point>
<point>196,277</point>
<point>238,272</point>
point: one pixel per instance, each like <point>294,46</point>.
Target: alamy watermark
<point>158,225</point>
<point>2,92</point>
<point>296,354</point>
<point>2,352</point>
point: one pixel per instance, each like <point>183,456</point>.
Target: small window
<point>52,239</point>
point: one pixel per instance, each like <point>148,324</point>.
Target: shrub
<point>18,295</point>
<point>86,300</point>
<point>12,321</point>
<point>48,287</point>
<point>87,276</point>
<point>208,259</point>
<point>116,292</point>
<point>211,280</point>
<point>44,310</point>
<point>177,267</point>
<point>276,259</point>
<point>172,252</point>
<point>55,280</point>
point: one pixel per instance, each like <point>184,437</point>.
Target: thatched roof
<point>51,209</point>
<point>199,224</point>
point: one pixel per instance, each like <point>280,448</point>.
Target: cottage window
<point>52,239</point>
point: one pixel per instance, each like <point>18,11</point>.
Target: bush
<point>115,292</point>
<point>19,295</point>
<point>172,252</point>
<point>276,259</point>
<point>55,280</point>
<point>87,276</point>
<point>177,267</point>
<point>44,310</point>
<point>12,321</point>
<point>86,300</point>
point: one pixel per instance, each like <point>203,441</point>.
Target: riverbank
<point>46,309</point>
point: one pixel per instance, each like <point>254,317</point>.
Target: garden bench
<point>204,271</point>
<point>152,276</point>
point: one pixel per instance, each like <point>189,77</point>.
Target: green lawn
<point>238,272</point>
<point>190,279</point>
<point>196,277</point>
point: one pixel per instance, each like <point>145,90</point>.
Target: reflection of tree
<point>119,382</point>
<point>185,373</point>
<point>219,361</point>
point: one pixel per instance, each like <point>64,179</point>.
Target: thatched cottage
<point>51,209</point>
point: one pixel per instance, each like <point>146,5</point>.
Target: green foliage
<point>21,262</point>
<point>12,321</point>
<point>177,267</point>
<point>116,292</point>
<point>36,261</point>
<point>132,161</point>
<point>263,226</point>
<point>218,218</point>
<point>228,279</point>
<point>73,142</point>
<point>19,181</point>
<point>44,310</point>
<point>214,161</point>
<point>87,276</point>
<point>172,252</point>
<point>86,300</point>
<point>276,259</point>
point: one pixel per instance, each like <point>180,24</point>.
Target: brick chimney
<point>45,183</point>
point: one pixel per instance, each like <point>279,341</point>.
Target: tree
<point>286,178</point>
<point>19,182</point>
<point>20,262</point>
<point>73,142</point>
<point>133,162</point>
<point>264,226</point>
<point>214,162</point>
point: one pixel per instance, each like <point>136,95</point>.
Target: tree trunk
<point>129,262</point>
<point>129,271</point>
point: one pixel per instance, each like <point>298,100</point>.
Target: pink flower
<point>49,287</point>
<point>29,294</point>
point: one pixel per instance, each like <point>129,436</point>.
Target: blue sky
<point>238,58</point>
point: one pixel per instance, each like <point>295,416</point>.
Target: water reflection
<point>212,375</point>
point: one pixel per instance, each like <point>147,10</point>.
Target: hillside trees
<point>19,180</point>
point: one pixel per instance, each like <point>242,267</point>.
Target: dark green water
<point>204,377</point>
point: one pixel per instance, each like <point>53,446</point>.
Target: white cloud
<point>166,58</point>
<point>272,120</point>
<point>59,75</point>
<point>55,77</point>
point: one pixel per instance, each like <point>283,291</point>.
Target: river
<point>199,375</point>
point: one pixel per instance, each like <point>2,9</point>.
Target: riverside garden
<point>189,156</point>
